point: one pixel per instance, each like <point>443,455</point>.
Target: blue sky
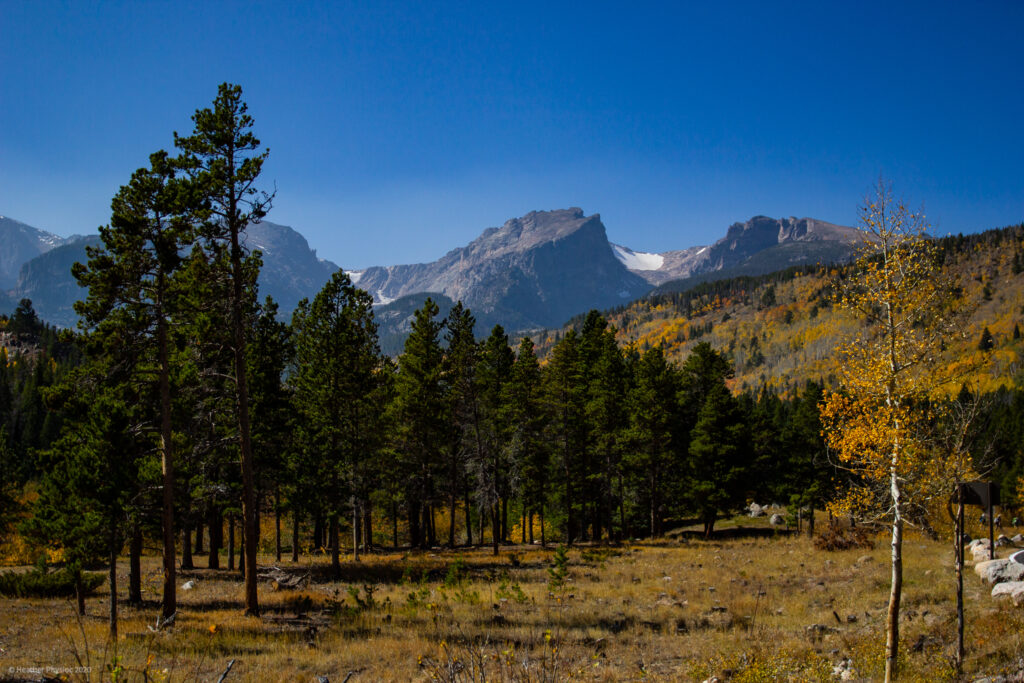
<point>400,130</point>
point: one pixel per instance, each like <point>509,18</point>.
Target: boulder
<point>980,553</point>
<point>1010,589</point>
<point>756,510</point>
<point>777,520</point>
<point>1017,539</point>
<point>999,571</point>
<point>1002,541</point>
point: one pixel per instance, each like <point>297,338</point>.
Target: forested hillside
<point>782,329</point>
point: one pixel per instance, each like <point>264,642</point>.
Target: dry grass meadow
<point>744,609</point>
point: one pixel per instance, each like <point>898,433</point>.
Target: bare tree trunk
<point>543,541</point>
<point>892,624</point>
<point>958,538</point>
<point>495,527</point>
<point>531,526</point>
<point>80,591</point>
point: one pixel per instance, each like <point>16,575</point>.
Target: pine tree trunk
<point>251,533</point>
<point>394,524</point>
<point>79,591</point>
<point>135,565</point>
<point>170,598</point>
<point>355,532</point>
<point>318,525</point>
<point>414,524</point>
<point>543,541</point>
<point>231,542</point>
<point>469,515</point>
<point>295,535</point>
<point>186,548</point>
<point>216,537</point>
<point>198,549</point>
<point>495,527</point>
<point>451,518</point>
<point>368,528</point>
<point>277,525</point>
<point>335,540</point>
<point>810,522</point>
<point>531,526</point>
<point>112,578</point>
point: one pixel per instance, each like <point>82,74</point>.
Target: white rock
<point>999,571</point>
<point>777,520</point>
<point>189,585</point>
<point>1010,589</point>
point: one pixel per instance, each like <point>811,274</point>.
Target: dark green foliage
<point>719,469</point>
<point>987,342</point>
<point>38,583</point>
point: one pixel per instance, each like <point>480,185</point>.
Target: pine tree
<point>132,298</point>
<point>337,358</point>
<point>986,343</point>
<point>652,435</point>
<point>718,468</point>
<point>526,419</point>
<point>466,441</point>
<point>565,404</point>
<point>420,414</point>
<point>224,157</point>
<point>494,468</point>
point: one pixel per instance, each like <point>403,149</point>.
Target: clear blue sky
<point>400,130</point>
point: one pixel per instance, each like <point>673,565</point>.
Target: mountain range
<point>533,272</point>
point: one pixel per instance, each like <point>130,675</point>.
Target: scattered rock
<point>1002,541</point>
<point>1010,589</point>
<point>777,520</point>
<point>865,559</point>
<point>1017,539</point>
<point>756,510</point>
<point>188,585</point>
<point>999,571</point>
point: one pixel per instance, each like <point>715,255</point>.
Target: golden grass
<point>758,609</point>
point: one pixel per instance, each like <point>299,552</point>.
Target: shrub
<point>40,584</point>
<point>839,538</point>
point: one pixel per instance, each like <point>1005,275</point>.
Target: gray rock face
<point>534,271</point>
<point>999,571</point>
<point>20,243</point>
<point>759,245</point>
<point>291,271</point>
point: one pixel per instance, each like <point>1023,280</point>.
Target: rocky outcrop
<point>20,243</point>
<point>534,271</point>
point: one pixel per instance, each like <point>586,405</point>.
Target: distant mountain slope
<point>781,328</point>
<point>760,245</point>
<point>291,271</point>
<point>20,243</point>
<point>534,271</point>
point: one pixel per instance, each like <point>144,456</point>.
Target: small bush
<point>40,584</point>
<point>839,538</point>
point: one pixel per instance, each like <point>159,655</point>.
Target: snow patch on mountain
<point>638,260</point>
<point>355,275</point>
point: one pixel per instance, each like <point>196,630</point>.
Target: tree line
<point>187,409</point>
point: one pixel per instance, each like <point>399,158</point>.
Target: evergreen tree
<point>986,343</point>
<point>494,468</point>
<point>652,435</point>
<point>526,419</point>
<point>565,404</point>
<point>466,441</point>
<point>132,298</point>
<point>718,469</point>
<point>420,414</point>
<point>224,157</point>
<point>335,376</point>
